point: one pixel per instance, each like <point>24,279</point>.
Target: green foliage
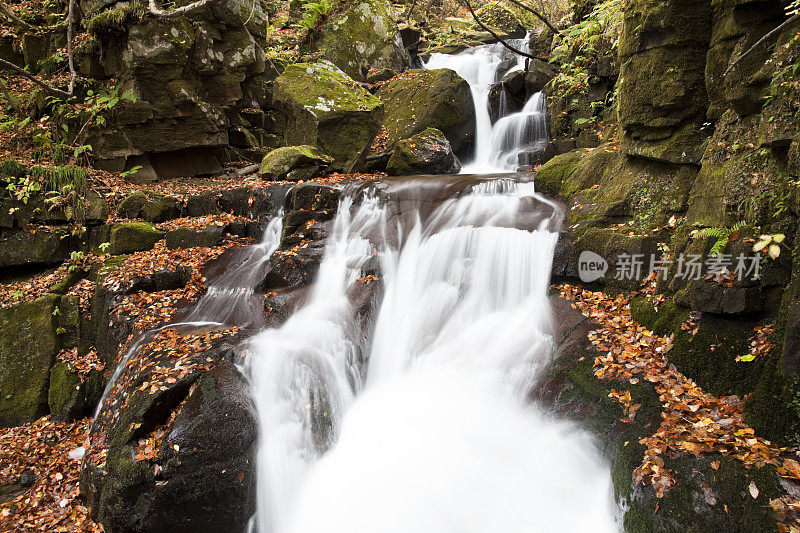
<point>107,23</point>
<point>583,44</point>
<point>314,12</point>
<point>722,236</point>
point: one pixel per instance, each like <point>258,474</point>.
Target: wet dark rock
<point>428,152</point>
<point>510,94</point>
<point>202,204</point>
<point>203,475</point>
<point>254,202</point>
<point>191,238</point>
<point>150,206</point>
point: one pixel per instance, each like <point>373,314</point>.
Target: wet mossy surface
<point>704,498</point>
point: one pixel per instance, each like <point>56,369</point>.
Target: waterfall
<point>498,147</point>
<point>418,421</point>
<point>228,300</point>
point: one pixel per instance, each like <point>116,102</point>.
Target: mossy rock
<point>428,152</point>
<point>28,345</point>
<point>70,396</point>
<point>150,206</point>
<point>609,186</point>
<point>130,237</point>
<point>191,238</point>
<point>419,99</point>
<point>45,246</point>
<point>202,204</point>
<point>279,163</point>
<point>363,37</point>
<point>325,108</point>
<point>551,177</point>
<point>571,388</point>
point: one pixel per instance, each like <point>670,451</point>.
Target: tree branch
<point>4,10</point>
<point>763,40</point>
<point>537,14</point>
<point>169,13</point>
<point>493,34</point>
<point>25,74</point>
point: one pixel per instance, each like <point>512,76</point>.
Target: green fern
<point>722,236</point>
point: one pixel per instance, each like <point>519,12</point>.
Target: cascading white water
<point>228,300</point>
<point>438,437</point>
<point>497,147</point>
<point>230,297</point>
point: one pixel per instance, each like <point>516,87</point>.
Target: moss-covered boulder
<point>129,237</point>
<point>552,175</point>
<point>706,497</point>
<point>421,99</point>
<point>191,238</point>
<point>202,204</point>
<point>28,346</point>
<point>71,395</point>
<point>150,206</point>
<point>428,152</point>
<point>363,37</point>
<point>44,246</point>
<point>280,163</point>
<point>325,108</point>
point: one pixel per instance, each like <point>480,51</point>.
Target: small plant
<point>722,235</point>
<point>103,247</point>
<point>314,11</point>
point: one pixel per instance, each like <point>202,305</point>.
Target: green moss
<point>28,346</point>
<point>129,237</point>
<point>551,177</point>
<point>365,36</point>
<point>419,99</point>
<point>115,20</point>
<point>65,394</point>
<point>324,89</point>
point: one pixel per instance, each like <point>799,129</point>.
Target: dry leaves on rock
<point>50,451</point>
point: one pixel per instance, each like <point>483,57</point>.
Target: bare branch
<point>493,34</point>
<point>537,15</point>
<point>169,13</point>
<point>24,73</point>
<point>4,10</point>
<point>72,72</point>
<point>763,41</point>
<point>70,56</point>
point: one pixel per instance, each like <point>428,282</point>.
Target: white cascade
<point>431,433</point>
<point>499,145</point>
<point>230,297</point>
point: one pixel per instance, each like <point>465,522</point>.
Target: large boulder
<point>325,108</point>
<point>363,37</point>
<point>510,93</point>
<point>421,99</point>
<point>190,76</point>
<point>291,162</point>
<point>28,345</point>
<point>428,152</point>
<point>194,473</point>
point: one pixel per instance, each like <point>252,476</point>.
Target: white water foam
<point>437,436</point>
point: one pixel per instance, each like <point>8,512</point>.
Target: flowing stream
<point>416,419</point>
<point>504,145</point>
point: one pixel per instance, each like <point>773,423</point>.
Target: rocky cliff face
<point>705,142</point>
<point>200,81</point>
